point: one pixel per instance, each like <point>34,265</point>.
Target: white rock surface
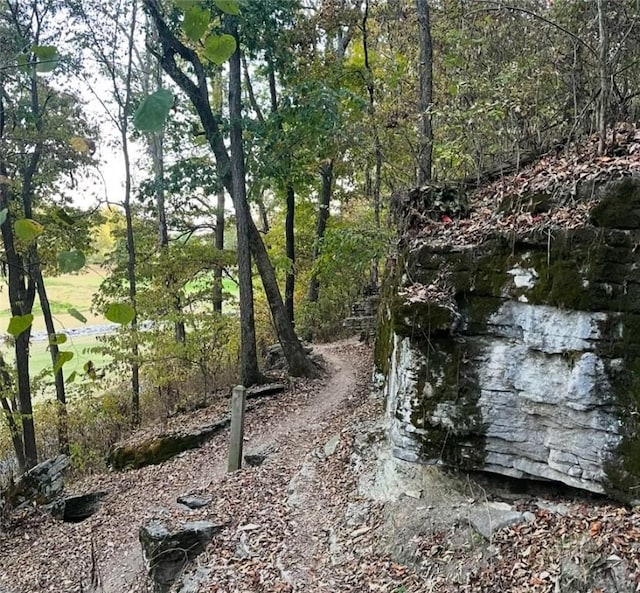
<point>542,399</point>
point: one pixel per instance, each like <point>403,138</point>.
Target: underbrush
<point>174,378</point>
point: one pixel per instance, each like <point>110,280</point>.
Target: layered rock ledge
<point>519,354</point>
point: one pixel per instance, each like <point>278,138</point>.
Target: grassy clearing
<point>67,290</point>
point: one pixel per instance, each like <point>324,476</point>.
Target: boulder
<point>489,517</point>
<point>80,507</point>
<point>42,484</point>
<point>167,552</point>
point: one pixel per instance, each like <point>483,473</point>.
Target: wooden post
<point>237,428</point>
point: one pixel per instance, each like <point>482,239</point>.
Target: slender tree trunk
<point>289,225</point>
<point>219,245</point>
<point>198,92</point>
<point>131,247</point>
<point>603,54</point>
<point>290,280</point>
<point>326,174</point>
<point>425,70</point>
<point>63,429</point>
<point>249,371</point>
<point>377,146</point>
<point>156,146</point>
<point>21,285</point>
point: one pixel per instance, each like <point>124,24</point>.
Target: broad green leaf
<point>3,215</point>
<point>71,261</point>
<point>19,323</point>
<point>152,113</point>
<point>63,357</point>
<point>120,313</point>
<point>77,315</point>
<point>228,6</point>
<point>28,229</point>
<point>57,339</point>
<point>196,21</point>
<point>47,57</point>
<point>219,48</point>
<point>72,377</point>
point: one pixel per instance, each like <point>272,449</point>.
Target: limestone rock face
<point>521,355</point>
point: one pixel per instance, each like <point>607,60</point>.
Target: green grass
<point>64,292</point>
<point>41,357</point>
<point>67,290</point>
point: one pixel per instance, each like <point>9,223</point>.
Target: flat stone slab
<point>195,501</point>
<point>487,518</point>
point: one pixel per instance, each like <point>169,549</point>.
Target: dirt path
<point>292,425</point>
<point>293,428</point>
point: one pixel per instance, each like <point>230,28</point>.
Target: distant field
<point>68,290</point>
<point>65,291</point>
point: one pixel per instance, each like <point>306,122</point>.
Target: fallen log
<point>162,447</point>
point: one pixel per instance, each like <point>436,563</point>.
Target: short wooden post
<point>238,399</point>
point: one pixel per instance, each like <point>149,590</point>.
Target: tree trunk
<point>326,173</point>
<point>198,93</point>
<point>21,285</point>
<point>249,371</point>
<point>425,70</point>
<point>290,280</point>
<point>63,429</point>
<point>131,247</point>
<point>603,54</point>
<point>219,245</point>
<point>377,179</point>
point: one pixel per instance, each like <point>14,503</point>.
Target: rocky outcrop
<point>364,315</point>
<point>520,354</point>
<point>42,484</point>
<point>167,552</point>
<point>162,447</point>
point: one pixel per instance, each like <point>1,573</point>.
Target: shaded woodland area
<point>258,145</point>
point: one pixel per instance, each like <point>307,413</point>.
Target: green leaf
<point>196,21</point>
<point>72,377</point>
<point>63,357</point>
<point>71,261</point>
<point>219,48</point>
<point>152,113</point>
<point>47,57</point>
<point>120,313</point>
<point>57,339</point>
<point>228,6</point>
<point>19,323</point>
<point>77,315</point>
<point>27,229</point>
<point>3,215</point>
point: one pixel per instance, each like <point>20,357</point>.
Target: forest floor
<point>320,515</point>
